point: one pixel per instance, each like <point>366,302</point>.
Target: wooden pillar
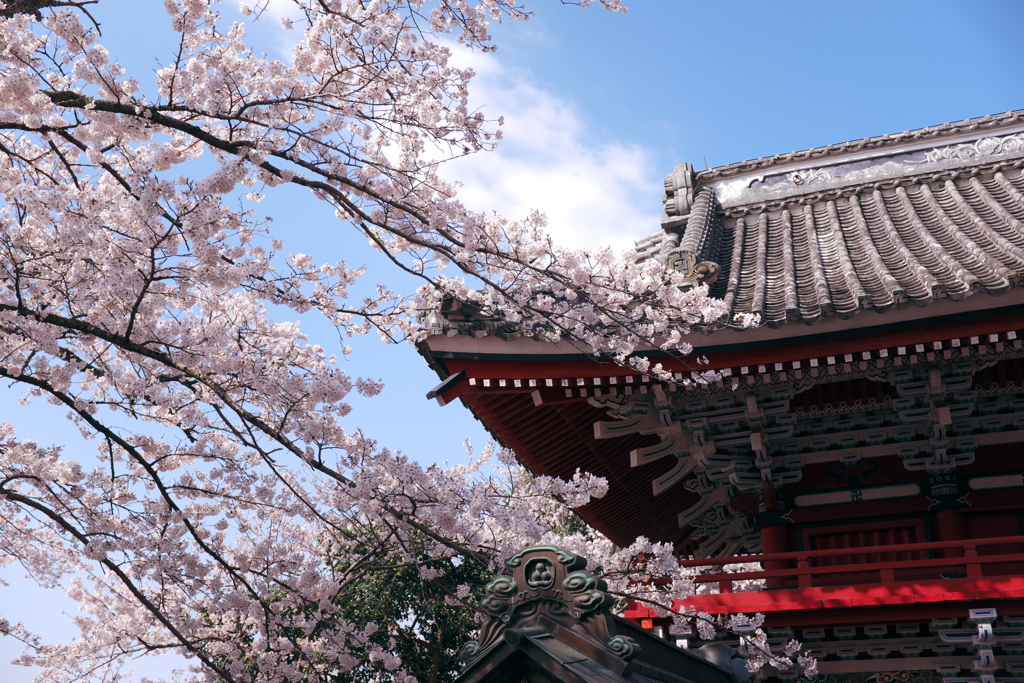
<point>775,539</point>
<point>950,526</point>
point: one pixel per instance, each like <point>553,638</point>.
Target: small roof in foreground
<point>548,620</point>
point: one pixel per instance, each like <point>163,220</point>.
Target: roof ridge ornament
<point>694,252</point>
<point>679,193</point>
<point>547,581</point>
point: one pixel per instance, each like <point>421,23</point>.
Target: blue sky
<point>736,80</point>
<point>599,107</point>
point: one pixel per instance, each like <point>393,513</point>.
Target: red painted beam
<point>845,552</point>
<point>895,593</point>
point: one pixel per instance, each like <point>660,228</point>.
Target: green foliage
<point>416,617</point>
<point>421,620</point>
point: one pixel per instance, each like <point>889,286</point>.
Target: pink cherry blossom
<point>137,284</point>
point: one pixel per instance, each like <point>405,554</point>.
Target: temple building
<point>860,454</point>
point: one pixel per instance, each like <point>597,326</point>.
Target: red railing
<point>959,557</point>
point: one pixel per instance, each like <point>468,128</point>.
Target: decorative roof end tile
<point>678,196</point>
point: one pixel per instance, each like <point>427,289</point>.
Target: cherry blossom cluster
<point>225,508</point>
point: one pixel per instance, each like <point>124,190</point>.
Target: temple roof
<point>548,621</point>
<point>894,222</point>
<point>866,225</point>
<point>926,226</point>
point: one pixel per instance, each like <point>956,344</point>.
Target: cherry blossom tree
<point>225,508</point>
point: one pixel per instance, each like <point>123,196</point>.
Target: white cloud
<point>593,193</point>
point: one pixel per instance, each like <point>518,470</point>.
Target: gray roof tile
<point>859,233</point>
<point>874,249</point>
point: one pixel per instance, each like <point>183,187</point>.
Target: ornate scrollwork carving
<point>469,651</point>
<point>985,147</point>
<point>809,176</point>
<point>624,646</point>
<point>549,581</point>
<point>587,593</point>
<point>891,677</point>
<point>497,596</point>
